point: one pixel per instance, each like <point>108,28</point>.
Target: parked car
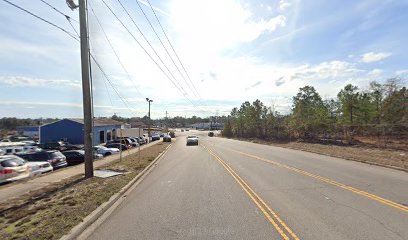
<point>141,140</point>
<point>2,152</point>
<point>172,134</point>
<point>38,168</point>
<point>192,140</point>
<point>211,134</point>
<point>105,151</point>
<point>117,145</point>
<point>54,157</point>
<point>77,156</point>
<point>124,141</point>
<point>155,136</point>
<point>166,138</point>
<point>60,146</point>
<point>13,168</point>
<point>133,142</point>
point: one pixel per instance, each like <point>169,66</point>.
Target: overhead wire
<point>114,51</point>
<point>161,42</point>
<point>40,18</point>
<point>178,86</point>
<point>171,45</point>
<point>175,82</point>
<point>76,39</point>
<point>58,11</point>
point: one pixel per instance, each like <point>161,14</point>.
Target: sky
<point>230,51</point>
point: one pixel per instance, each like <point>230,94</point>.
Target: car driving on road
<point>192,140</point>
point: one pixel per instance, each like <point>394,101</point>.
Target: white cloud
<point>376,72</point>
<point>401,72</point>
<point>20,81</point>
<point>284,4</point>
<point>374,57</point>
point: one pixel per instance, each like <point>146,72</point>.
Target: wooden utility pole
<point>86,88</point>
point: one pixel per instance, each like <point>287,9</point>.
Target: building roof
<point>97,121</point>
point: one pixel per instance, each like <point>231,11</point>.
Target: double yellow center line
<point>271,215</point>
<point>329,181</point>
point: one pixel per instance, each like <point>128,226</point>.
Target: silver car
<point>13,168</point>
<point>192,140</point>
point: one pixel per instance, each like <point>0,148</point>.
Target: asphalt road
<point>227,189</point>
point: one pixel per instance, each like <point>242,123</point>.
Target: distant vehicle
<point>105,151</point>
<point>172,134</point>
<point>117,145</point>
<point>54,157</point>
<point>13,168</point>
<point>187,130</point>
<point>77,156</point>
<point>2,152</point>
<point>30,148</point>
<point>192,140</point>
<point>155,136</point>
<point>166,138</point>
<point>211,134</point>
<point>182,130</point>
<point>38,168</point>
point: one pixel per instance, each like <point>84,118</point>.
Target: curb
<point>92,221</point>
<point>330,155</point>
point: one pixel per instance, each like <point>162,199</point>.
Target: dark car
<point>124,141</point>
<point>117,145</point>
<point>211,134</point>
<point>54,157</point>
<point>77,156</point>
<point>166,138</point>
<point>155,136</point>
<point>60,146</point>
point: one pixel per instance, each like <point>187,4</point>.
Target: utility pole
<point>86,88</point>
<point>150,121</point>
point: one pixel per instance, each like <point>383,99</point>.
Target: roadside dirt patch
<point>382,157</point>
<point>51,212</point>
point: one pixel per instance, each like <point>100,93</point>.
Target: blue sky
<point>233,51</point>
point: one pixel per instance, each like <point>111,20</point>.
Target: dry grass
<point>53,211</point>
<point>383,157</point>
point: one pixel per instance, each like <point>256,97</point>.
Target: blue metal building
<point>29,131</point>
<point>72,130</point>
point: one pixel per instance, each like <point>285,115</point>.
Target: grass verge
<point>382,157</point>
<point>51,212</point>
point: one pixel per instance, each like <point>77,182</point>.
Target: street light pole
<point>86,88</point>
<point>150,121</point>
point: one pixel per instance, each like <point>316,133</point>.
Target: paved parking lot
<point>17,189</point>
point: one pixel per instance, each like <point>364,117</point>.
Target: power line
<point>171,45</point>
<point>155,52</point>
<point>40,18</point>
<point>58,11</point>
<point>114,51</point>
<point>161,42</point>
<point>75,38</point>
<point>141,46</point>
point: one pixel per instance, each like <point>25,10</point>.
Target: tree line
<point>381,109</point>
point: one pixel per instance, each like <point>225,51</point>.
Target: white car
<point>105,151</point>
<point>38,168</point>
<point>192,140</point>
<point>13,168</point>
